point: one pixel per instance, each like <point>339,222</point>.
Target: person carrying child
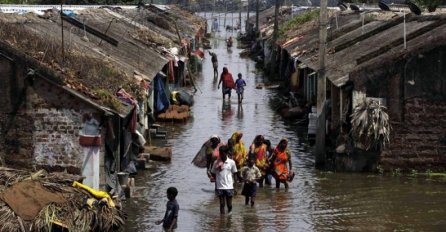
<point>239,87</point>
<point>171,216</point>
<point>250,175</point>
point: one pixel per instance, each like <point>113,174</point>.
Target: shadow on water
<point>315,201</point>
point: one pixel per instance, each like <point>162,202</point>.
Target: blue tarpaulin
<point>161,99</point>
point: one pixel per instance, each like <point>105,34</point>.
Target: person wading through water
<point>258,152</point>
<point>240,87</point>
<point>224,168</point>
<point>214,61</point>
<point>280,158</point>
<point>228,83</point>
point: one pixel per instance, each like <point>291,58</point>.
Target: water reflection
<point>315,201</point>
<point>240,111</point>
<point>226,110</point>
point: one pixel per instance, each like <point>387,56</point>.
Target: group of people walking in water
<point>230,164</point>
<point>227,81</point>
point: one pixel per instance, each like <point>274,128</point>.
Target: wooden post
<point>61,22</point>
<point>257,16</point>
<point>321,85</point>
<point>247,18</point>
<point>276,22</point>
<point>240,18</point>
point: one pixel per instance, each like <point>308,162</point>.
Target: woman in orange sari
<point>281,156</point>
<point>257,151</point>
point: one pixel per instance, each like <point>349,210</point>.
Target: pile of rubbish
<point>54,202</point>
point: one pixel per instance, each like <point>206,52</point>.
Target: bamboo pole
<point>321,85</point>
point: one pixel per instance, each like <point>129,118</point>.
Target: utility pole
<point>321,85</point>
<point>240,17</point>
<point>257,17</point>
<point>247,18</point>
<point>61,22</point>
<point>276,22</point>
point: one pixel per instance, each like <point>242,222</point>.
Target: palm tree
<point>370,124</point>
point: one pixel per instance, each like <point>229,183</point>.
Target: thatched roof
<point>47,201</point>
<point>89,68</point>
<point>161,22</point>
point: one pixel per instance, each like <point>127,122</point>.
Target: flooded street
<point>315,201</point>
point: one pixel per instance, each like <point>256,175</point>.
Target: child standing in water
<point>250,175</point>
<point>171,216</point>
<point>239,86</point>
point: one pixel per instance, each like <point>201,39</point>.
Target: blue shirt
<point>172,209</point>
<point>240,83</point>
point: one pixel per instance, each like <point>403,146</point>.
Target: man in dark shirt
<point>170,217</point>
<point>214,63</point>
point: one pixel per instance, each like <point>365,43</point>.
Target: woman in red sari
<point>281,156</point>
<point>258,152</point>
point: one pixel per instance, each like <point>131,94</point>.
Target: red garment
<point>133,120</point>
<point>228,81</point>
<point>171,72</point>
<point>199,54</point>
<point>280,164</point>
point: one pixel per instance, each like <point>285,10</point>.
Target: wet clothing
<point>249,189</point>
<point>239,151</point>
<point>214,60</point>
<point>229,42</point>
<point>172,209</point>
<point>239,86</point>
<point>224,192</point>
<point>259,154</point>
<point>280,168</point>
<point>223,172</point>
<point>228,82</point>
<point>250,173</point>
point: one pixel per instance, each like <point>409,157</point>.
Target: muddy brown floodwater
<point>315,201</point>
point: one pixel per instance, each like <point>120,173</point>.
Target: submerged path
<point>315,201</point>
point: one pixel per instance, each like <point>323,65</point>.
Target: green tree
<point>430,5</point>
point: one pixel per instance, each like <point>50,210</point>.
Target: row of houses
<point>394,57</point>
<point>80,90</point>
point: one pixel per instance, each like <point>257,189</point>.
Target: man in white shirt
<point>224,168</point>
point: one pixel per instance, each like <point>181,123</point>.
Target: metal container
<point>123,178</point>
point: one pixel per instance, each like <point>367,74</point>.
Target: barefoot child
<point>250,174</point>
<point>171,216</point>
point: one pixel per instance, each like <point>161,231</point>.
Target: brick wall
<point>419,141</point>
<point>44,132</point>
<point>55,138</point>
